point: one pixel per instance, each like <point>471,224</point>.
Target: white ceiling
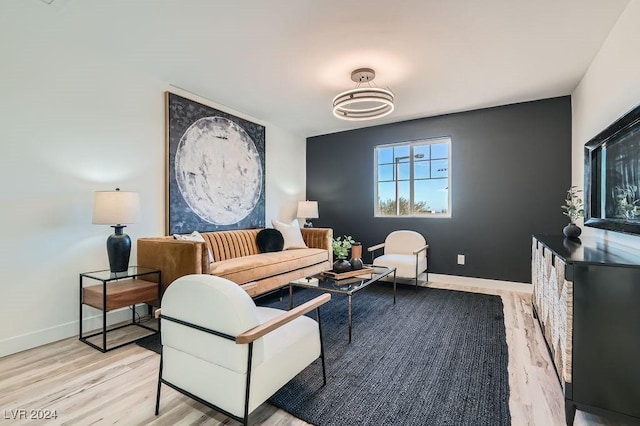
<point>283,61</point>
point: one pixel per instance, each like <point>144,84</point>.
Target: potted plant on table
<point>573,208</point>
<point>341,246</point>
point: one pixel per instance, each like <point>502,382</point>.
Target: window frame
<point>411,144</point>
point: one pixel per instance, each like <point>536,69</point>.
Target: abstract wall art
<point>215,174</point>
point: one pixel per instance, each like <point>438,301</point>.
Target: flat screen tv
<point>612,176</point>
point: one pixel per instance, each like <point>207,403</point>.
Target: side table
<point>117,290</point>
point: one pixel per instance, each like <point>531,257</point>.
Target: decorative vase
<point>356,256</point>
<point>571,244</point>
<point>341,265</point>
<point>572,230</point>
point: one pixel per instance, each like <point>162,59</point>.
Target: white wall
<point>609,89</point>
<point>70,124</point>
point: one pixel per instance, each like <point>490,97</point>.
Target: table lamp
<point>308,210</point>
<point>116,208</point>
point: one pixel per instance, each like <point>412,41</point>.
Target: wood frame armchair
<point>223,351</point>
<point>403,250</point>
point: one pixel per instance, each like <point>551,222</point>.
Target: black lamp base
<point>118,249</point>
<point>307,224</point>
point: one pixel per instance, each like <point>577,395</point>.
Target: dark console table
<point>586,297</point>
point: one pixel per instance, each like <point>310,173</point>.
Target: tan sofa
<point>237,257</point>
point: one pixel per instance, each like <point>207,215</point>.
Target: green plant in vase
<point>341,246</point>
<point>574,209</point>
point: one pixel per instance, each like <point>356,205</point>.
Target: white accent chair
<point>222,350</point>
<point>404,250</point>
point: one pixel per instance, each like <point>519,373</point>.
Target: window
<point>413,179</point>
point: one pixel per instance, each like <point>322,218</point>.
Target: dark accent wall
<point>511,168</point>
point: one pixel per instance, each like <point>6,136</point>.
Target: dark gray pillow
<point>269,240</point>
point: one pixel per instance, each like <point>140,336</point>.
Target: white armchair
<point>222,350</point>
<point>404,250</point>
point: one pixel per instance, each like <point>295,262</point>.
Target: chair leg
<point>159,386</point>
<point>324,371</point>
<point>248,387</point>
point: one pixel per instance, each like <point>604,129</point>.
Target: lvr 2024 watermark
<point>24,414</point>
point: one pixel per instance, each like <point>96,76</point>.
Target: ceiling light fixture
<point>363,103</point>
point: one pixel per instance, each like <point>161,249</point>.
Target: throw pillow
<point>196,236</point>
<point>269,240</point>
<point>291,234</point>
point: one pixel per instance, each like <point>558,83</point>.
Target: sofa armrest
<point>319,238</point>
<point>174,258</point>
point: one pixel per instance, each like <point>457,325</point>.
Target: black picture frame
<point>612,185</point>
<point>215,169</point>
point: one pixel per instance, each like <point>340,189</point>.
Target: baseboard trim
<point>27,341</point>
<point>482,282</point>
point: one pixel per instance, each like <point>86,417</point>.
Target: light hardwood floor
<point>85,386</point>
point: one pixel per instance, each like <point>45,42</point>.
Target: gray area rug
<point>436,357</point>
<point>151,342</point>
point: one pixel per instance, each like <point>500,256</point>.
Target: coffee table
<point>347,286</point>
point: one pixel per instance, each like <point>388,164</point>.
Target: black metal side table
<point>117,290</point>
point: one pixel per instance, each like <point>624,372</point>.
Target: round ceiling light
<point>363,103</point>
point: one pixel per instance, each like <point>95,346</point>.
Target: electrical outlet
<point>461,259</point>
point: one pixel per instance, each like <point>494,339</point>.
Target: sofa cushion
<point>270,240</point>
<point>291,234</point>
<point>246,269</point>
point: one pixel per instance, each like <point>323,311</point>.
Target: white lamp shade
<point>308,209</point>
<point>116,207</point>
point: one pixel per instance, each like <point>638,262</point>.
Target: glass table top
<point>107,275</point>
<point>370,274</point>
